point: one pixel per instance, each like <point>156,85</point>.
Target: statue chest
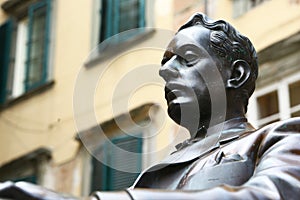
<point>217,169</point>
<point>231,164</point>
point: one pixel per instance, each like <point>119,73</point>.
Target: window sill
<point>27,95</point>
<point>111,47</point>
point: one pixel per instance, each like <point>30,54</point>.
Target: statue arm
<point>28,191</point>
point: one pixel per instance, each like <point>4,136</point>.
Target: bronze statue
<point>226,158</point>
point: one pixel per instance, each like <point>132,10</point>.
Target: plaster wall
<point>47,120</point>
<point>264,24</point>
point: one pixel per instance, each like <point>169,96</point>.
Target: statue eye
<point>191,58</point>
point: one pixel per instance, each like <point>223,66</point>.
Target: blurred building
<point>274,28</point>
<point>58,86</point>
<point>50,61</point>
<point>184,9</point>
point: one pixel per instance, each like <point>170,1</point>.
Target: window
<point>268,108</point>
<point>294,90</point>
<point>107,178</point>
<point>276,102</point>
<point>37,45</point>
<point>118,25</point>
<point>30,167</point>
<point>242,6</point>
<point>117,16</point>
<point>25,52</point>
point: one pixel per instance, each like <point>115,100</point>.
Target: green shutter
<point>38,44</point>
<point>31,179</point>
<point>6,31</point>
<point>115,17</point>
<point>107,178</point>
<point>121,15</point>
<point>117,180</point>
<point>106,15</point>
<point>98,179</point>
<point>142,20</point>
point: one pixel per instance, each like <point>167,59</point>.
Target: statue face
<point>187,68</point>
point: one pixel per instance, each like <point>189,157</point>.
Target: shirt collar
<point>221,133</point>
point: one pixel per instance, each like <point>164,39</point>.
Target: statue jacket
<point>233,161</point>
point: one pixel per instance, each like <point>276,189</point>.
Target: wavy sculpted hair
<point>230,45</point>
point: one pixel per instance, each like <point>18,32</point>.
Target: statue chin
<point>174,113</point>
<point>189,116</point>
<point>182,114</point>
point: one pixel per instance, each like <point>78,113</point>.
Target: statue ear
<point>240,74</point>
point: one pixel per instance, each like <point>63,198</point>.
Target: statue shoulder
<point>291,125</point>
<point>282,136</point>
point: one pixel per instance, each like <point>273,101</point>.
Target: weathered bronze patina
<point>226,158</point>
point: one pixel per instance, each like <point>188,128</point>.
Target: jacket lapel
<point>196,148</point>
<point>216,135</point>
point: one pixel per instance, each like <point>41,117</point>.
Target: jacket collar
<point>215,136</point>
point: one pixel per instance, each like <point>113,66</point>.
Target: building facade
<point>74,91</point>
<point>274,28</point>
<point>66,78</point>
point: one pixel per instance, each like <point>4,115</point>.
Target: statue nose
<point>169,69</point>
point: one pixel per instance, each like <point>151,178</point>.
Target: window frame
<point>115,45</point>
<point>10,97</point>
<point>272,117</point>
<point>247,5</point>
<point>45,65</point>
<point>30,167</point>
<point>285,110</point>
<point>112,18</point>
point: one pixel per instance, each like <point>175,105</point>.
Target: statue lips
<point>172,91</point>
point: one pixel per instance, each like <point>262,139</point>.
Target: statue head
<point>201,44</point>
